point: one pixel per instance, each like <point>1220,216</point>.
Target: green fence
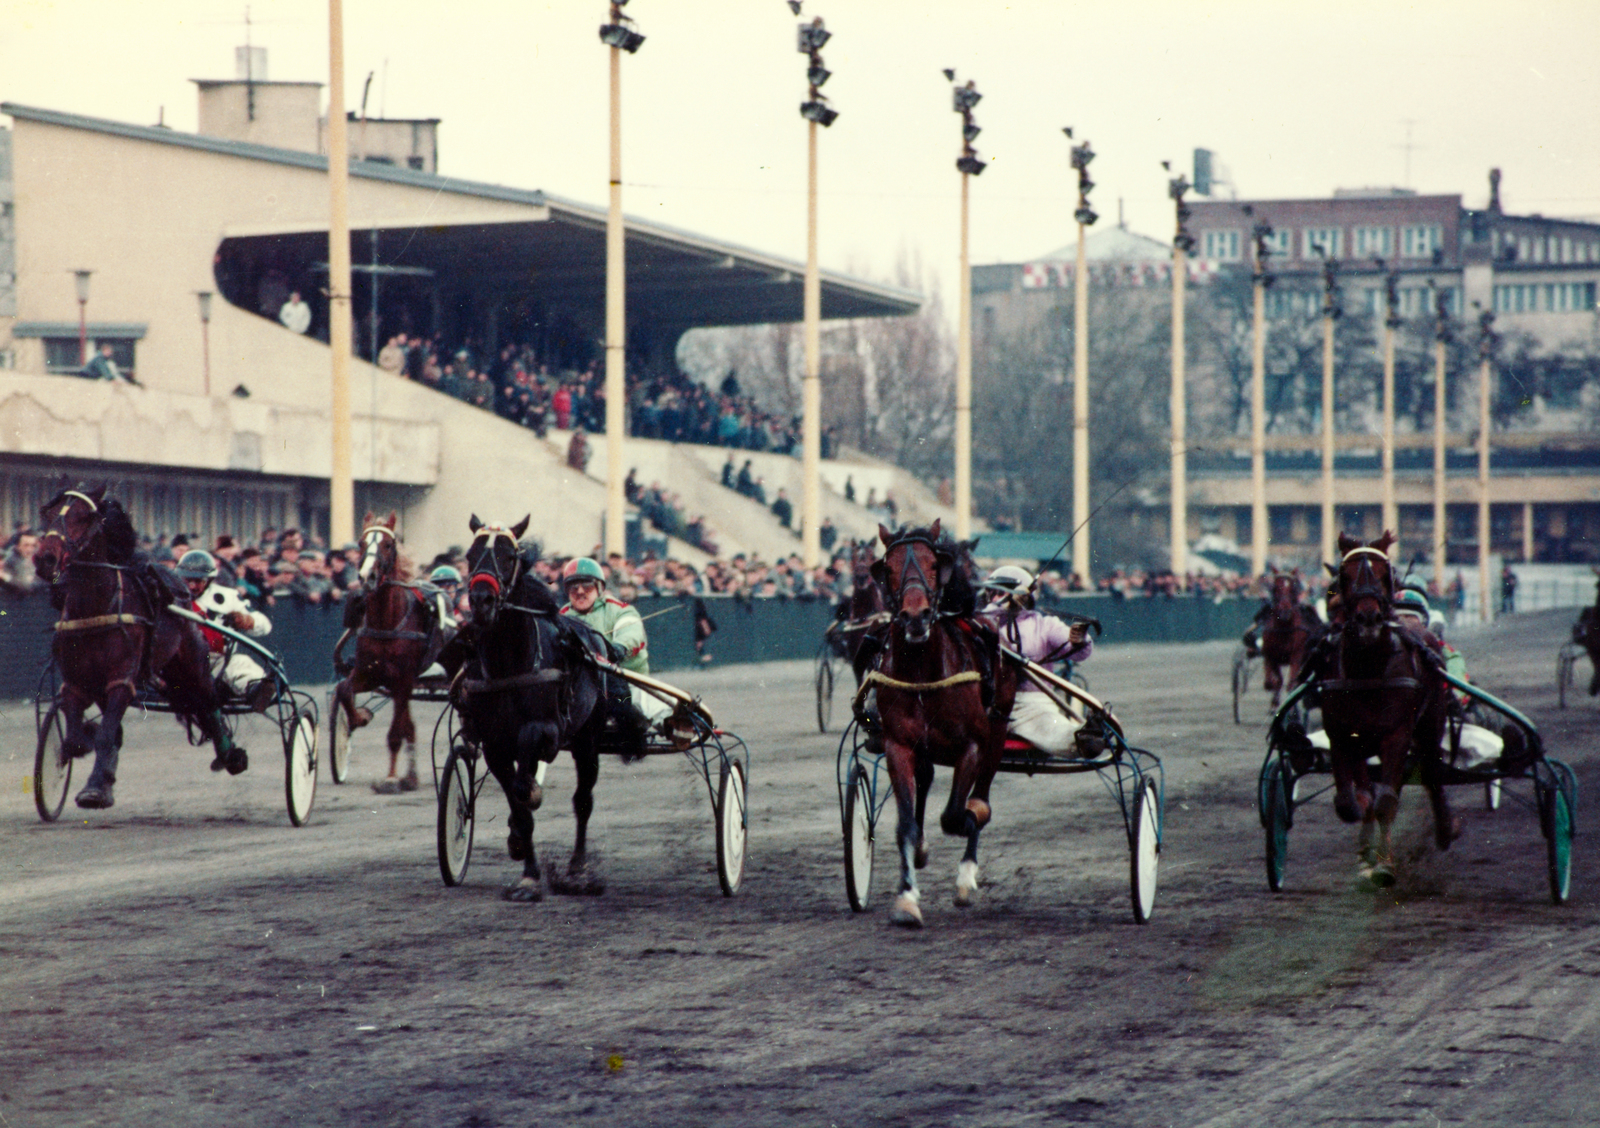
<point>748,630</point>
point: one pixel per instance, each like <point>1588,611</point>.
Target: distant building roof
<point>1114,244</point>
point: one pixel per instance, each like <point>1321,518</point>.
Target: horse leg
<point>519,843</point>
<point>1378,866</point>
<point>344,696</point>
<point>403,731</point>
<point>1351,799</point>
<point>906,910</point>
<point>96,795</point>
<point>579,879</point>
<point>924,783</point>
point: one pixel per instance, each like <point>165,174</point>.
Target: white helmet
<point>1008,578</point>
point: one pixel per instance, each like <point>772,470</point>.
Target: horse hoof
<point>578,883</point>
<point>516,848</point>
<point>535,797</point>
<point>95,797</point>
<point>408,782</point>
<point>906,912</point>
<point>1444,835</point>
<point>238,761</point>
<point>1347,811</point>
<point>524,892</point>
<point>966,884</point>
<point>1375,877</point>
<point>362,717</point>
<point>920,858</point>
<point>386,787</point>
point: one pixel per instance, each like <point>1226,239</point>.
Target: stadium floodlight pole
<point>341,481</point>
<point>1487,340</point>
<point>1084,214</point>
<point>1182,246</point>
<point>80,279</point>
<point>1391,322</point>
<point>1441,345</point>
<point>1260,280</point>
<point>964,98</point>
<point>204,297</point>
<point>817,112</point>
<point>1332,310</point>
<point>620,35</point>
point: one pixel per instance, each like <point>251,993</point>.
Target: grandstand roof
<point>675,278</point>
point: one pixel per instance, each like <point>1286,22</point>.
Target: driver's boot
<point>632,725</point>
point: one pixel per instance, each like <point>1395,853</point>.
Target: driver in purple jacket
<point>1040,638</point>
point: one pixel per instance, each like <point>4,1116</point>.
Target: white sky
<point>1296,96</point>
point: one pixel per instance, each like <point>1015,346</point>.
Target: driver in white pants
<point>1040,638</point>
<point>231,664</point>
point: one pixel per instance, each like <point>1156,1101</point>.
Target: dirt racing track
<point>189,958</point>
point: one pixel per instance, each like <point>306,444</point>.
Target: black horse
<point>530,689</point>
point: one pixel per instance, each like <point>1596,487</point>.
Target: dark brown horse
<point>399,638</point>
<point>112,638</point>
<point>861,615</point>
<point>934,705</point>
<point>1287,633</point>
<point>1586,633</point>
<point>1383,695</point>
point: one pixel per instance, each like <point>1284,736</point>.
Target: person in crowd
<point>827,534</point>
<point>254,580</point>
<point>746,481</point>
<point>17,571</point>
<point>1508,591</point>
<point>620,624</point>
<point>578,451</point>
<point>295,314</point>
<point>226,553</point>
<point>392,357</point>
<point>312,584</point>
<point>1040,638</point>
<point>103,366</point>
<point>850,489</point>
<point>237,671</point>
<point>727,473</point>
<point>782,509</point>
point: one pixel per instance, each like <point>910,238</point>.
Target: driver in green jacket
<point>619,622</point>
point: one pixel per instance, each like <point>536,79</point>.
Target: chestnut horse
<point>934,704</point>
<point>398,639</point>
<point>112,638</point>
<point>1287,633</point>
<point>529,690</point>
<point>1383,695</point>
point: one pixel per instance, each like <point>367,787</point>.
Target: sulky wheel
<point>1556,819</point>
<point>456,816</point>
<point>338,743</point>
<point>858,842</point>
<point>300,765</point>
<point>52,766</point>
<point>824,691</point>
<point>1241,676</point>
<point>732,827</point>
<point>1145,840</point>
<point>1493,790</point>
<point>1277,795</point>
<point>1564,664</point>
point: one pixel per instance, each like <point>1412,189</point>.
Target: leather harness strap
<point>516,681</point>
<point>1350,685</point>
<point>876,677</point>
<point>101,622</point>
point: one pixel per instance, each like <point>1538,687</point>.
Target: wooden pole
<point>1330,532</point>
<point>811,397</point>
<point>1179,412</point>
<point>1258,430</point>
<point>616,538</point>
<point>1080,412</point>
<point>1391,511</point>
<point>963,496</point>
<point>341,483</point>
<point>1440,513</point>
<point>1485,375</point>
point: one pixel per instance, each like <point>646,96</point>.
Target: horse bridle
<point>1366,578</point>
<point>367,535</point>
<point>907,580</point>
<point>70,547</point>
<point>492,579</point>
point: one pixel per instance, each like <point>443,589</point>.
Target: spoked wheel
<point>456,819</point>
<point>1277,826</point>
<point>731,827</point>
<point>52,767</point>
<point>1564,664</point>
<point>858,844</point>
<point>300,765</point>
<point>1241,676</point>
<point>338,743</point>
<point>1556,803</point>
<point>1263,778</point>
<point>1492,793</point>
<point>1146,849</point>
<point>824,692</point>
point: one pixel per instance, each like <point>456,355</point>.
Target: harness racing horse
<point>861,617</point>
<point>1383,695</point>
<point>1287,634</point>
<point>1586,633</point>
<point>112,638</point>
<point>930,678</point>
<point>399,638</point>
<point>530,689</point>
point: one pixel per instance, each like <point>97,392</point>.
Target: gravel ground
<point>188,958</point>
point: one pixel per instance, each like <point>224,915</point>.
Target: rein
<point>101,622</point>
<point>875,677</point>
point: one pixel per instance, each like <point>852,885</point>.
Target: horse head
<point>913,571</point>
<point>1286,592</point>
<point>1366,585</point>
<point>73,522</point>
<point>866,597</point>
<point>380,551</point>
<point>494,566</point>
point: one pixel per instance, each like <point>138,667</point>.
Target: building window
<point>1420,240</point>
<point>1551,297</point>
<point>62,356</point>
<point>1330,239</point>
<point>1280,244</point>
<point>1293,303</point>
<point>1374,241</point>
<point>1221,245</point>
<point>1280,524</point>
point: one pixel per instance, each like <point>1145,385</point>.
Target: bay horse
<point>399,635</point>
<point>934,703</point>
<point>1287,633</point>
<point>1383,694</point>
<point>529,689</point>
<point>112,638</point>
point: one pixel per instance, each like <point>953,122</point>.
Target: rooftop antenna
<point>1408,147</point>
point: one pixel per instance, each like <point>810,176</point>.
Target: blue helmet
<point>444,574</point>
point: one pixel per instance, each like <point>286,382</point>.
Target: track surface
<point>190,959</point>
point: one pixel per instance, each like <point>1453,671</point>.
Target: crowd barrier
<point>748,630</point>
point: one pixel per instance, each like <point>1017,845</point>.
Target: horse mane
<point>404,568</point>
<point>122,542</point>
<point>532,592</point>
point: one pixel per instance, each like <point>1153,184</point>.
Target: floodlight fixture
<point>204,297</point>
<point>965,98</point>
<point>817,74</point>
<point>812,36</point>
<point>971,165</point>
<point>80,279</point>
<point>794,6</point>
<point>621,35</point>
<point>1085,215</point>
<point>1081,156</point>
<point>969,132</point>
<point>949,75</point>
<point>818,111</point>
